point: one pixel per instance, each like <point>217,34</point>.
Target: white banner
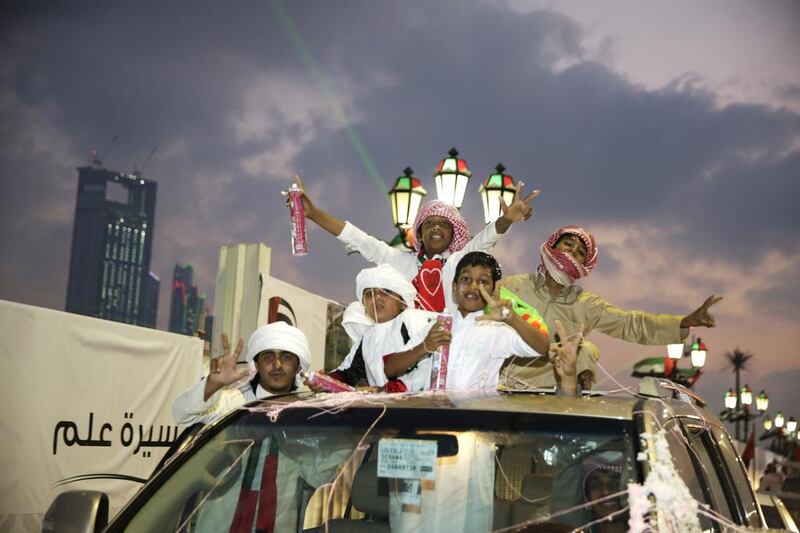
<point>86,404</point>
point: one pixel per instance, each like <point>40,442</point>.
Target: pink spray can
<point>298,215</point>
<point>440,358</point>
<point>325,382</point>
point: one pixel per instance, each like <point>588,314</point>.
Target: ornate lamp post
<point>667,367</point>
<point>405,198</point>
<point>730,399</point>
<point>747,400</point>
<point>746,395</point>
<point>698,354</point>
<point>762,401</point>
<point>696,351</point>
<point>495,188</point>
<point>737,408</point>
<point>675,351</point>
<point>451,176</point>
<point>737,361</point>
<point>783,432</point>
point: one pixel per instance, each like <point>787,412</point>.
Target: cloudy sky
<point>670,130</point>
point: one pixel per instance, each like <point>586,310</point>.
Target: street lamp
<point>730,399</point>
<point>698,354</point>
<point>783,432</point>
<point>746,395</point>
<point>762,401</point>
<point>667,366</point>
<point>451,176</point>
<point>675,351</point>
<point>495,188</point>
<point>405,198</point>
<point>696,351</point>
<point>737,409</point>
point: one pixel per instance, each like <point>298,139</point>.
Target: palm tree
<point>737,361</point>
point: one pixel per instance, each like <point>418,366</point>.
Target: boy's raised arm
<point>372,249</point>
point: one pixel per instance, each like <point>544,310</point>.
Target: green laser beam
<point>311,64</point>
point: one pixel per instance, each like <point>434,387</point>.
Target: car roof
<point>596,406</point>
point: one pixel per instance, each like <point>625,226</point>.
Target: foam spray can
<point>325,382</point>
<point>440,358</point>
<point>298,215</point>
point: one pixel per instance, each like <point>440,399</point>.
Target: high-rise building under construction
<point>112,240</point>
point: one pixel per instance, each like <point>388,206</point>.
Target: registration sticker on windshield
<point>407,458</point>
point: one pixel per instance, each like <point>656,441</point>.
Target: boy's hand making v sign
<point>565,360</point>
<point>503,311</point>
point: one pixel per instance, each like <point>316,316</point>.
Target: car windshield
<point>396,470</point>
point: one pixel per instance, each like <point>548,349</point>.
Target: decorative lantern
<point>779,420</point>
<point>791,425</point>
<point>698,354</point>
<point>747,395</point>
<point>451,176</point>
<point>675,351</point>
<point>405,197</point>
<point>762,401</point>
<point>730,399</point>
<point>767,424</point>
<point>495,188</point>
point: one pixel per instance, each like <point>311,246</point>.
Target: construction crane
<point>98,161</point>
<point>138,169</point>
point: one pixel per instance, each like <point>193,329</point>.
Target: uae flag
<point>652,366</point>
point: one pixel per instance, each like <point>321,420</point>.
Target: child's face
<point>382,305</point>
<point>437,234</point>
<point>572,245</point>
<point>466,294</point>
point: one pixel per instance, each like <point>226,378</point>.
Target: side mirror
<point>77,511</point>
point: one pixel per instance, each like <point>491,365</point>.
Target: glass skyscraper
<point>186,308</point>
<point>112,240</point>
